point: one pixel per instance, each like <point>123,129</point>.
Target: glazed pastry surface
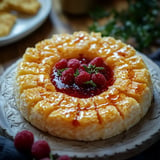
<point>99,117</point>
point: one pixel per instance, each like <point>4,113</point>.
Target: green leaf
<point>92,69</point>
<point>98,68</point>
<point>91,83</point>
<point>76,73</point>
<point>59,71</point>
<point>86,68</point>
<point>140,21</point>
<point>51,157</point>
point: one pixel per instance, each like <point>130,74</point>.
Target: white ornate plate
<point>123,146</point>
<point>26,25</point>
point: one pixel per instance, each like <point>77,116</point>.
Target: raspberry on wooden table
<point>40,149</point>
<point>23,141</point>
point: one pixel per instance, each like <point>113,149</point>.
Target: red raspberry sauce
<point>81,91</point>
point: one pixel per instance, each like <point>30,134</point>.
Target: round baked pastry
<point>98,116</point>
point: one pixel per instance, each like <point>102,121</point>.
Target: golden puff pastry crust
<point>99,117</point>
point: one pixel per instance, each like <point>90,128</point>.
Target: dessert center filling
<point>82,77</point>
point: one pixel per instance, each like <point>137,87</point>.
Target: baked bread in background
<point>7,22</point>
<point>7,16</point>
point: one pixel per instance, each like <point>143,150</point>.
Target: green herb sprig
<point>59,71</point>
<point>139,23</point>
<point>76,73</point>
<point>92,69</point>
<point>91,83</point>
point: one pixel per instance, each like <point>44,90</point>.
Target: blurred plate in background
<point>26,25</point>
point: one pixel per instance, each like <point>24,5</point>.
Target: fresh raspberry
<point>104,71</point>
<point>23,141</point>
<point>81,67</point>
<point>40,149</point>
<point>61,64</point>
<point>99,79</point>
<point>107,72</point>
<point>65,157</point>
<point>98,62</point>
<point>73,63</point>
<point>82,77</point>
<point>68,76</point>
